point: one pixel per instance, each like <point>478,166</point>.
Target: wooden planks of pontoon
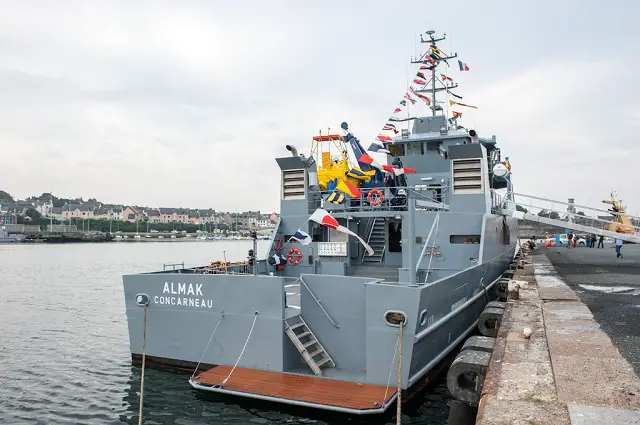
<point>301,388</point>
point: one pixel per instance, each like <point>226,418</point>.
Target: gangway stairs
<point>568,220</point>
<point>307,344</point>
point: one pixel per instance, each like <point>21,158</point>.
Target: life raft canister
<point>375,197</point>
<point>294,256</point>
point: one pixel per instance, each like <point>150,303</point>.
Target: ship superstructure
<point>413,245</point>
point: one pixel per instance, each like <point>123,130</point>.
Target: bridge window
<point>397,149</point>
<point>415,148</point>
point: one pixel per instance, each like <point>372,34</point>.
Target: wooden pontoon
<point>300,390</point>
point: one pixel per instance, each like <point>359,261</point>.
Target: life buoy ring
<point>298,256</point>
<point>375,197</point>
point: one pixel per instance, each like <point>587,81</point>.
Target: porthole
<point>423,317</point>
<point>394,318</point>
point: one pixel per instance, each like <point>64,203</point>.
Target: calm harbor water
<point>64,349</point>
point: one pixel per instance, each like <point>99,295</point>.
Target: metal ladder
<point>307,344</point>
<point>376,242</point>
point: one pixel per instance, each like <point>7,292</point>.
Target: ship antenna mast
<point>433,47</point>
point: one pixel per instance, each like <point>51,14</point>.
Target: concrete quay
<point>568,371</point>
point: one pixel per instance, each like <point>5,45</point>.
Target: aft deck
<point>300,390</point>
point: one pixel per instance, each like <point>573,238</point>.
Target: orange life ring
<point>297,253</point>
<point>379,197</point>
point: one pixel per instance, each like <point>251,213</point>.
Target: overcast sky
<point>187,103</point>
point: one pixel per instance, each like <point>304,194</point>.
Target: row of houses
<point>132,214</point>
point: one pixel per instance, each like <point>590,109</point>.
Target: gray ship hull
<point>346,313</point>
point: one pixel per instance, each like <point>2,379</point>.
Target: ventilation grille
<point>293,184</point>
<point>467,176</point>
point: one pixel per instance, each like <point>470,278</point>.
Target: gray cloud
<point>160,104</point>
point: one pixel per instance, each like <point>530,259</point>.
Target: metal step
<point>298,322</point>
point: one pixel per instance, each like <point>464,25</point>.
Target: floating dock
<point>300,390</point>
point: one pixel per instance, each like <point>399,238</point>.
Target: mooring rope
<point>207,346</point>
<point>391,371</point>
<point>144,355</point>
<point>399,399</point>
<point>242,352</point>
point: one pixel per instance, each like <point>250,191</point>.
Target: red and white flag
<point>366,159</point>
<point>324,218</point>
<point>384,138</point>
<point>399,171</point>
<point>408,96</point>
<point>419,82</point>
<point>420,96</point>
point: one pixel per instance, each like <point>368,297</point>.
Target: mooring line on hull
<point>144,355</point>
<point>393,361</point>
<point>207,346</point>
<point>399,399</point>
<point>242,352</point>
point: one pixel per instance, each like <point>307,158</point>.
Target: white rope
<point>393,361</point>
<point>399,398</point>
<point>144,361</point>
<point>433,247</point>
<point>242,352</point>
<point>207,347</point>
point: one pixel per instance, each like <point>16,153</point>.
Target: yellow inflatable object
<point>335,170</point>
<point>337,167</point>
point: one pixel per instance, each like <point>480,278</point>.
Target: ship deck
<point>301,390</point>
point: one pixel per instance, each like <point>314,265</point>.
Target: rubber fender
<point>489,321</point>
<point>466,374</point>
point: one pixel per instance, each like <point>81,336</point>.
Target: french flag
<point>463,66</point>
<point>302,237</point>
<point>322,217</point>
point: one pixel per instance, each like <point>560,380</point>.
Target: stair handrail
<point>426,243</point>
<point>319,303</point>
<point>373,225</point>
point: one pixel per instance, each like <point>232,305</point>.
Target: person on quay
<point>601,242</point>
<point>619,247</point>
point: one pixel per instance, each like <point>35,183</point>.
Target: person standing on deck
<point>619,247</point>
<point>601,242</point>
<point>569,239</point>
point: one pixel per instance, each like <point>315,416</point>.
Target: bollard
<point>502,289</point>
<point>465,377</point>
<point>489,321</point>
<point>479,343</point>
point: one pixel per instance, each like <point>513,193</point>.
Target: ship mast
<point>432,41</point>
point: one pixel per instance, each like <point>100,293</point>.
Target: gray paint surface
<point>440,311</point>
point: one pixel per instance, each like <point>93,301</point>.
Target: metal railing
<point>546,208</point>
<point>390,202</point>
<point>318,302</point>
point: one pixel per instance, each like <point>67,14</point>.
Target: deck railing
<point>390,202</point>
